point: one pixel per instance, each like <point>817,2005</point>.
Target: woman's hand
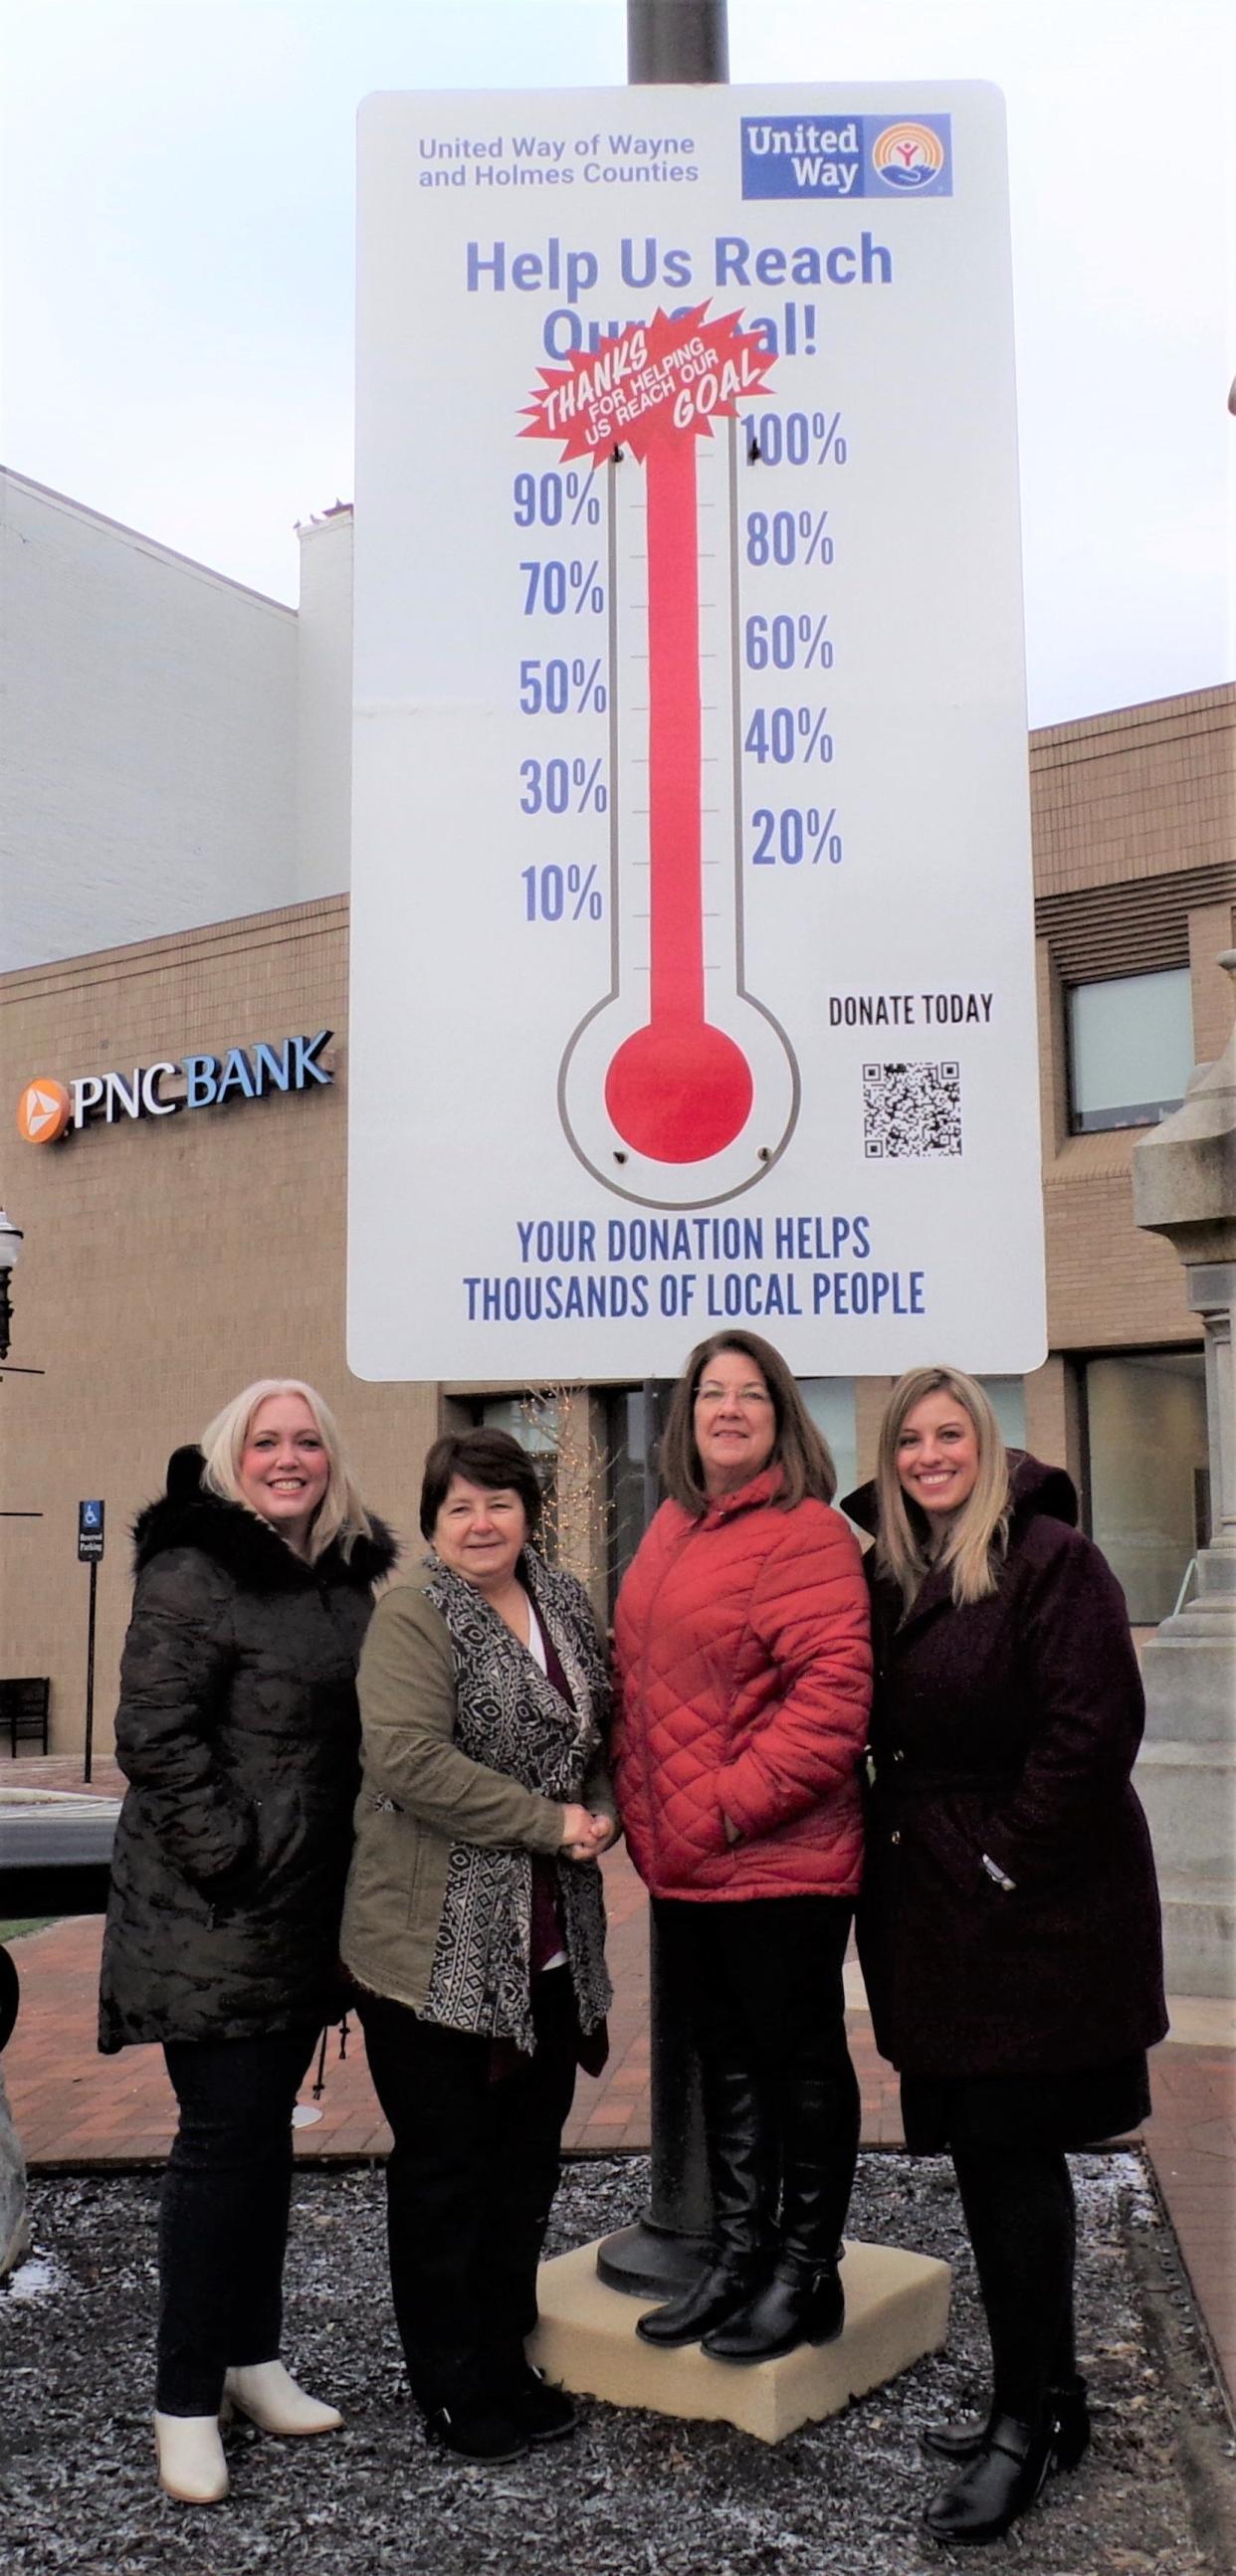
<point>584,1836</point>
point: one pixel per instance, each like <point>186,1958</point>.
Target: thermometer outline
<point>769,1156</point>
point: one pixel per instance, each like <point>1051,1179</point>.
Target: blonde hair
<point>340,1515</point>
<point>976,1540</point>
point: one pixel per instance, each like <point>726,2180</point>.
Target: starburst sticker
<point>652,383</point>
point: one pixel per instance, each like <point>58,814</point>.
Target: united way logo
<point>909,157</point>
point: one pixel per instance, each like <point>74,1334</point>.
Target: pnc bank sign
<point>49,1109</point>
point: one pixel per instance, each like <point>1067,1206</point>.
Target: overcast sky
<point>178,230</point>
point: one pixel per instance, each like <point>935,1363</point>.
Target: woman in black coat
<point>238,1733</point>
<point>1009,1923</point>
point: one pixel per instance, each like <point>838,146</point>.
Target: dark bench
<point>25,1710</point>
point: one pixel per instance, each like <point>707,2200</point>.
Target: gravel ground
<point>632,2492</point>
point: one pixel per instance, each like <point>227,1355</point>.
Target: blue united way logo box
<point>834,156</point>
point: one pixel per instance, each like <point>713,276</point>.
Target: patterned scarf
<point>511,1718</point>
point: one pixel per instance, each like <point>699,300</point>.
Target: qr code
<point>911,1110</point>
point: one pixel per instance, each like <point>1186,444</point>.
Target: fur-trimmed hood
<point>246,1546</point>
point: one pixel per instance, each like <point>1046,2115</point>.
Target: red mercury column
<point>678,1089</point>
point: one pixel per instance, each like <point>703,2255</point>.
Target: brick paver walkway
<point>73,2107</point>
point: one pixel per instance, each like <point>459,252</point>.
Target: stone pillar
<point>1184,1186</point>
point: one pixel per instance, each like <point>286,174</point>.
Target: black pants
<point>764,1992</point>
<point>1019,2212</point>
<point>223,2217</point>
<point>469,2183</point>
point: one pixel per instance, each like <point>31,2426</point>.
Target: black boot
<point>996,2487</point>
<point>462,2413</point>
<point>538,2411</point>
<point>964,2439</point>
<point>740,2171</point>
<point>800,2304</point>
<point>803,2302</point>
<point>725,2287</point>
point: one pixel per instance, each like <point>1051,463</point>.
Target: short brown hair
<point>801,1452</point>
<point>482,1457</point>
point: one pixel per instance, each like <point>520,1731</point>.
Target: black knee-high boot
<point>740,2170</point>
<point>803,2302</point>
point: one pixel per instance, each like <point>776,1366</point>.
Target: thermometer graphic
<point>678,1088</point>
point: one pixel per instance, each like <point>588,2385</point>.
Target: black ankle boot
<point>725,2287</point>
<point>964,2439</point>
<point>798,2305</point>
<point>479,2430</point>
<point>540,2412</point>
<point>996,2487</point>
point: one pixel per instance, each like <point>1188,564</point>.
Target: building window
<point>1149,1488</point>
<point>830,1403</point>
<point>1007,1398</point>
<point>1130,1049</point>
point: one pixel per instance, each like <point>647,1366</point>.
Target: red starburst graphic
<point>654,382</point>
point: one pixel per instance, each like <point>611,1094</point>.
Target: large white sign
<point>691,903</point>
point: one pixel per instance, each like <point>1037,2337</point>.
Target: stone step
<point>896,2312</point>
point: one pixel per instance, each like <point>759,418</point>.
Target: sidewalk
<point>74,2108</point>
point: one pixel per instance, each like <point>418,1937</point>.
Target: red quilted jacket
<point>744,1681</point>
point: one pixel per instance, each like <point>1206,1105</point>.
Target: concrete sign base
<point>896,2311</point>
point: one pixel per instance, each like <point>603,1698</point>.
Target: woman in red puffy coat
<point>744,1679</point>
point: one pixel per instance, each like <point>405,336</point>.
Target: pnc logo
<point>43,1111</point>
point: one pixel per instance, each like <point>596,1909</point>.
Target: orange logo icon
<point>43,1111</point>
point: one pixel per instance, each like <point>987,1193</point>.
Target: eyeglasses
<point>749,1397</point>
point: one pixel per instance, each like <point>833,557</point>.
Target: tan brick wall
<point>169,1262</point>
<point>1143,792</point>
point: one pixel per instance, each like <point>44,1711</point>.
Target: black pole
<point>668,40</point>
<point>677,40</point>
<point>90,1671</point>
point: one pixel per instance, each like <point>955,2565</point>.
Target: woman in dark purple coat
<point>1009,1923</point>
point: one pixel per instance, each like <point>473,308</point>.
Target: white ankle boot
<point>191,2463</point>
<point>269,2396</point>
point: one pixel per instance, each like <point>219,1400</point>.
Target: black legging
<point>1019,2209</point>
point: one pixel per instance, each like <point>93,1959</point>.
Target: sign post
<point>690,752</point>
<point>90,1533</point>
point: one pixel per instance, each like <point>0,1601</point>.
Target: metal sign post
<point>90,1521</point>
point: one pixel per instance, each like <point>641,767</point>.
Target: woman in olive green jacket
<point>474,1928</point>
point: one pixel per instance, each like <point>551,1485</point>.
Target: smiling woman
<point>1009,1921</point>
<point>284,1469</point>
<point>743,1663</point>
<point>474,1926</point>
<point>238,1733</point>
